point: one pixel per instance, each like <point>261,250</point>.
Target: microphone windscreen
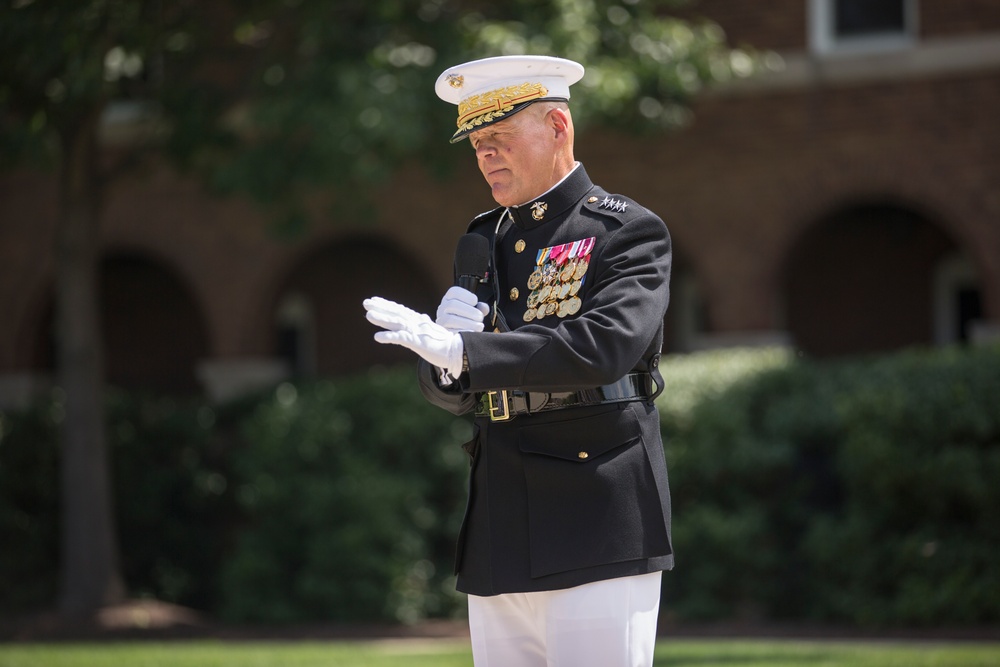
<point>472,256</point>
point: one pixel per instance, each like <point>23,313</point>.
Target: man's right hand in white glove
<point>416,331</point>
<point>461,310</point>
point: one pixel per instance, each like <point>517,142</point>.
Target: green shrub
<point>916,539</point>
<point>169,479</point>
<point>29,507</point>
<point>860,491</point>
<point>175,507</point>
<point>337,500</point>
<point>353,493</point>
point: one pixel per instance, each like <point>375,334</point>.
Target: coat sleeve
<point>620,320</point>
<point>451,398</point>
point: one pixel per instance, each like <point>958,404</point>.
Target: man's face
<point>517,156</point>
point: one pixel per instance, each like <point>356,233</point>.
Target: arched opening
<point>318,321</point>
<point>154,333</point>
<point>686,321</point>
<point>867,278</point>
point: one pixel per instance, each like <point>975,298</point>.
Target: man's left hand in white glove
<point>416,331</point>
<point>461,310</point>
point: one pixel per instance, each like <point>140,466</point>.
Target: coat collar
<point>554,203</point>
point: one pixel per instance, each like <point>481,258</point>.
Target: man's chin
<point>502,196</point>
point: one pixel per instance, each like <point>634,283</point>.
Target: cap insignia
<point>538,210</point>
<point>488,106</point>
<point>456,80</point>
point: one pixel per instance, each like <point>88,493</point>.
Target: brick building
<point>846,203</point>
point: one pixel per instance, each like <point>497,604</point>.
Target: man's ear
<point>558,121</point>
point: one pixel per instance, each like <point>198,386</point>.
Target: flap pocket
<point>581,440</point>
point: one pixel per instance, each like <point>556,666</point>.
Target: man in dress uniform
<point>555,349</point>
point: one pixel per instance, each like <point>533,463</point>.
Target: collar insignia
<point>538,210</point>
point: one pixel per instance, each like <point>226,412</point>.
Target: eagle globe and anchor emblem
<point>538,210</point>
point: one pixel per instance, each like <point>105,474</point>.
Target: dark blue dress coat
<point>580,494</point>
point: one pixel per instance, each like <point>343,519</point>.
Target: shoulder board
<point>490,215</point>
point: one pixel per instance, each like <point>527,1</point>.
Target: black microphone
<point>472,260</point>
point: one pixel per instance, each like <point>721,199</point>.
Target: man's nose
<point>485,148</point>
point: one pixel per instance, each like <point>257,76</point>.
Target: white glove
<point>416,331</point>
<point>460,311</point>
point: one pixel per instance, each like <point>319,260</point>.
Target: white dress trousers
<point>609,623</point>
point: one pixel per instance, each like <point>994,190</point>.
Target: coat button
<point>583,455</point>
<point>520,246</point>
<point>514,294</point>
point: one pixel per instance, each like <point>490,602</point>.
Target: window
<point>296,338</point>
<point>957,300</point>
<point>851,26</point>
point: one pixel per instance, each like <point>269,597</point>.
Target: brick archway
<point>861,280</point>
<point>317,318</point>
<point>154,331</point>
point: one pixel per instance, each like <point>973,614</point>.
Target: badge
<point>564,290</point>
<point>550,273</point>
<point>575,287</point>
<point>538,210</point>
<point>581,268</point>
<point>563,309</point>
<point>533,299</point>
<point>529,315</point>
<point>535,279</point>
<point>573,305</point>
<point>568,271</point>
<point>550,308</point>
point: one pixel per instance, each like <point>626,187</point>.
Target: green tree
<point>275,99</point>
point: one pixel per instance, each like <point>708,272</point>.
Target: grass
<point>455,653</point>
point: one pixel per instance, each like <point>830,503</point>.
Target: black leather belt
<point>504,404</point>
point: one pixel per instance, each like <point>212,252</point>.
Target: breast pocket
<point>592,498</point>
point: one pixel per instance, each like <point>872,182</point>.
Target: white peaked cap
<point>492,89</point>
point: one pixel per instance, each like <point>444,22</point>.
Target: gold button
<point>519,246</point>
<point>514,294</point>
<point>592,200</point>
<point>583,455</point>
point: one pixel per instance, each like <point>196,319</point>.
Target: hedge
<point>861,491</point>
<point>331,500</point>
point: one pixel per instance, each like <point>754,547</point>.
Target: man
<point>567,528</point>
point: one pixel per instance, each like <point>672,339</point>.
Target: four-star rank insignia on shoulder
<point>556,281</point>
<point>613,204</point>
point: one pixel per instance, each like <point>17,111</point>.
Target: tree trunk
<point>90,575</point>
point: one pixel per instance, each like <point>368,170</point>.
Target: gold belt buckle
<point>498,405</point>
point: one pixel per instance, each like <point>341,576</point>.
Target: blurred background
<point>196,198</point>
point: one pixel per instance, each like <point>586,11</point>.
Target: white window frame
<point>824,41</point>
<point>951,275</point>
<point>295,311</point>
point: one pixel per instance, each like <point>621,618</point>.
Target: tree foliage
<point>276,98</point>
